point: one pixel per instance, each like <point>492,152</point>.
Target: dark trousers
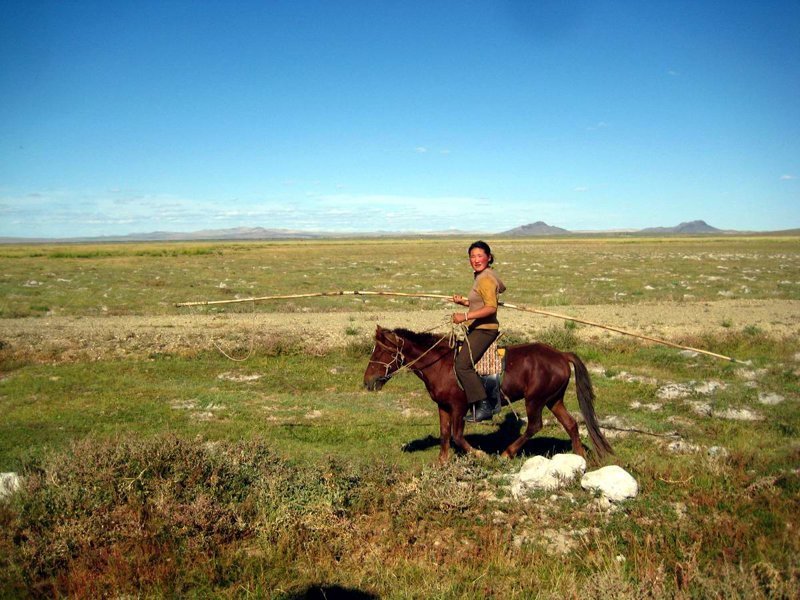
<point>477,342</point>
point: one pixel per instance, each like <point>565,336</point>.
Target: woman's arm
<point>459,299</point>
<point>486,311</point>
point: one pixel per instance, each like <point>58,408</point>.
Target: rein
<point>400,358</point>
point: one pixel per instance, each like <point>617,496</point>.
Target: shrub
<point>561,337</point>
<point>165,513</point>
<point>135,510</point>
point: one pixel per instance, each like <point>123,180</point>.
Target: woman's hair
<point>483,246</point>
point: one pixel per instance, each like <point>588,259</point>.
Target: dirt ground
<point>57,339</point>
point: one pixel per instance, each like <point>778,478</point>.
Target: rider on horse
<point>482,328</point>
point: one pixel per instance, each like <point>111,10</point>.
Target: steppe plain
<point>155,466</point>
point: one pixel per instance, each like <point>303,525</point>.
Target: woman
<point>482,327</point>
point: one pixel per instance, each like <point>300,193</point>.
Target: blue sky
<point>344,115</point>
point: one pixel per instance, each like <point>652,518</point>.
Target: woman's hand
<point>459,317</point>
<point>458,299</point>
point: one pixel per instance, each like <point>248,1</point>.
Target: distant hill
<point>687,227</point>
<point>235,233</point>
<point>538,228</point>
<point>231,234</point>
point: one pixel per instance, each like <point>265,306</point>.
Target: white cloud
<point>420,149</point>
<point>581,189</point>
<point>80,213</point>
<point>787,177</point>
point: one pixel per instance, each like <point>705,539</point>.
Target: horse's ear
<point>390,335</point>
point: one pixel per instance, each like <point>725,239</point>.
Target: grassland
<point>174,471</point>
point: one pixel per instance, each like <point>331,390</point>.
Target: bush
<point>137,511</point>
<point>109,517</point>
<point>560,337</point>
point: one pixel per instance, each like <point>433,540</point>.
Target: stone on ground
<point>613,482</point>
<point>541,473</point>
<point>9,483</point>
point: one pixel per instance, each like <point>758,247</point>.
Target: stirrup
<point>481,411</point>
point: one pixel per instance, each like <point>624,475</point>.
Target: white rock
<point>738,414</point>
<point>770,398</point>
<point>674,391</point>
<point>602,505</point>
<point>613,482</point>
<point>709,387</point>
<point>630,378</point>
<point>718,452</point>
<point>701,408</point>
<point>542,473</point>
<point>568,466</point>
<point>751,374</point>
<point>9,484</point>
<point>238,377</point>
<point>683,447</point>
<point>652,407</point>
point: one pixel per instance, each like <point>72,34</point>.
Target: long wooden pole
<point>446,297</point>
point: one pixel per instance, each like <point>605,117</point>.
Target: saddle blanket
<point>491,363</point>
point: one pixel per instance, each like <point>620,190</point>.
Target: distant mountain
<point>687,227</point>
<point>235,233</point>
<point>231,234</point>
<point>538,228</point>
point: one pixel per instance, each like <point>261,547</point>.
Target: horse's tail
<point>583,387</point>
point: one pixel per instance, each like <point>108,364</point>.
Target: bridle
<point>396,358</point>
<point>399,358</point>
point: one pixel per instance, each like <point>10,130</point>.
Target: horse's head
<point>387,357</point>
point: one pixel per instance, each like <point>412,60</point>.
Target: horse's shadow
<point>335,592</point>
<point>496,441</point>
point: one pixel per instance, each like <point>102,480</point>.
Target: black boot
<point>480,411</point>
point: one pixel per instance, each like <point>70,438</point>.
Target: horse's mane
<point>420,339</point>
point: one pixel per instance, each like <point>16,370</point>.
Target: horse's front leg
<point>457,416</point>
<point>444,434</point>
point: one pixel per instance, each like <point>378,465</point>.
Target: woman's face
<point>478,259</point>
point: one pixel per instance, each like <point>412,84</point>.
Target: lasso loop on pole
<point>445,297</point>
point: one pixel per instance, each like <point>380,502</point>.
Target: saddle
<point>493,360</point>
<point>490,368</point>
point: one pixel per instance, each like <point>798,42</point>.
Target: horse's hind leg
<point>534,425</point>
<point>569,424</point>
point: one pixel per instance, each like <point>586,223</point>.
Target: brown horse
<point>536,372</point>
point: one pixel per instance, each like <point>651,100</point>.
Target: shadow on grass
<point>494,442</point>
<point>332,592</point>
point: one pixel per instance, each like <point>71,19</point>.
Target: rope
<point>252,341</point>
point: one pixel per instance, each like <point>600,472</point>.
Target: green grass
<point>120,279</point>
<point>385,520</point>
<point>187,476</point>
